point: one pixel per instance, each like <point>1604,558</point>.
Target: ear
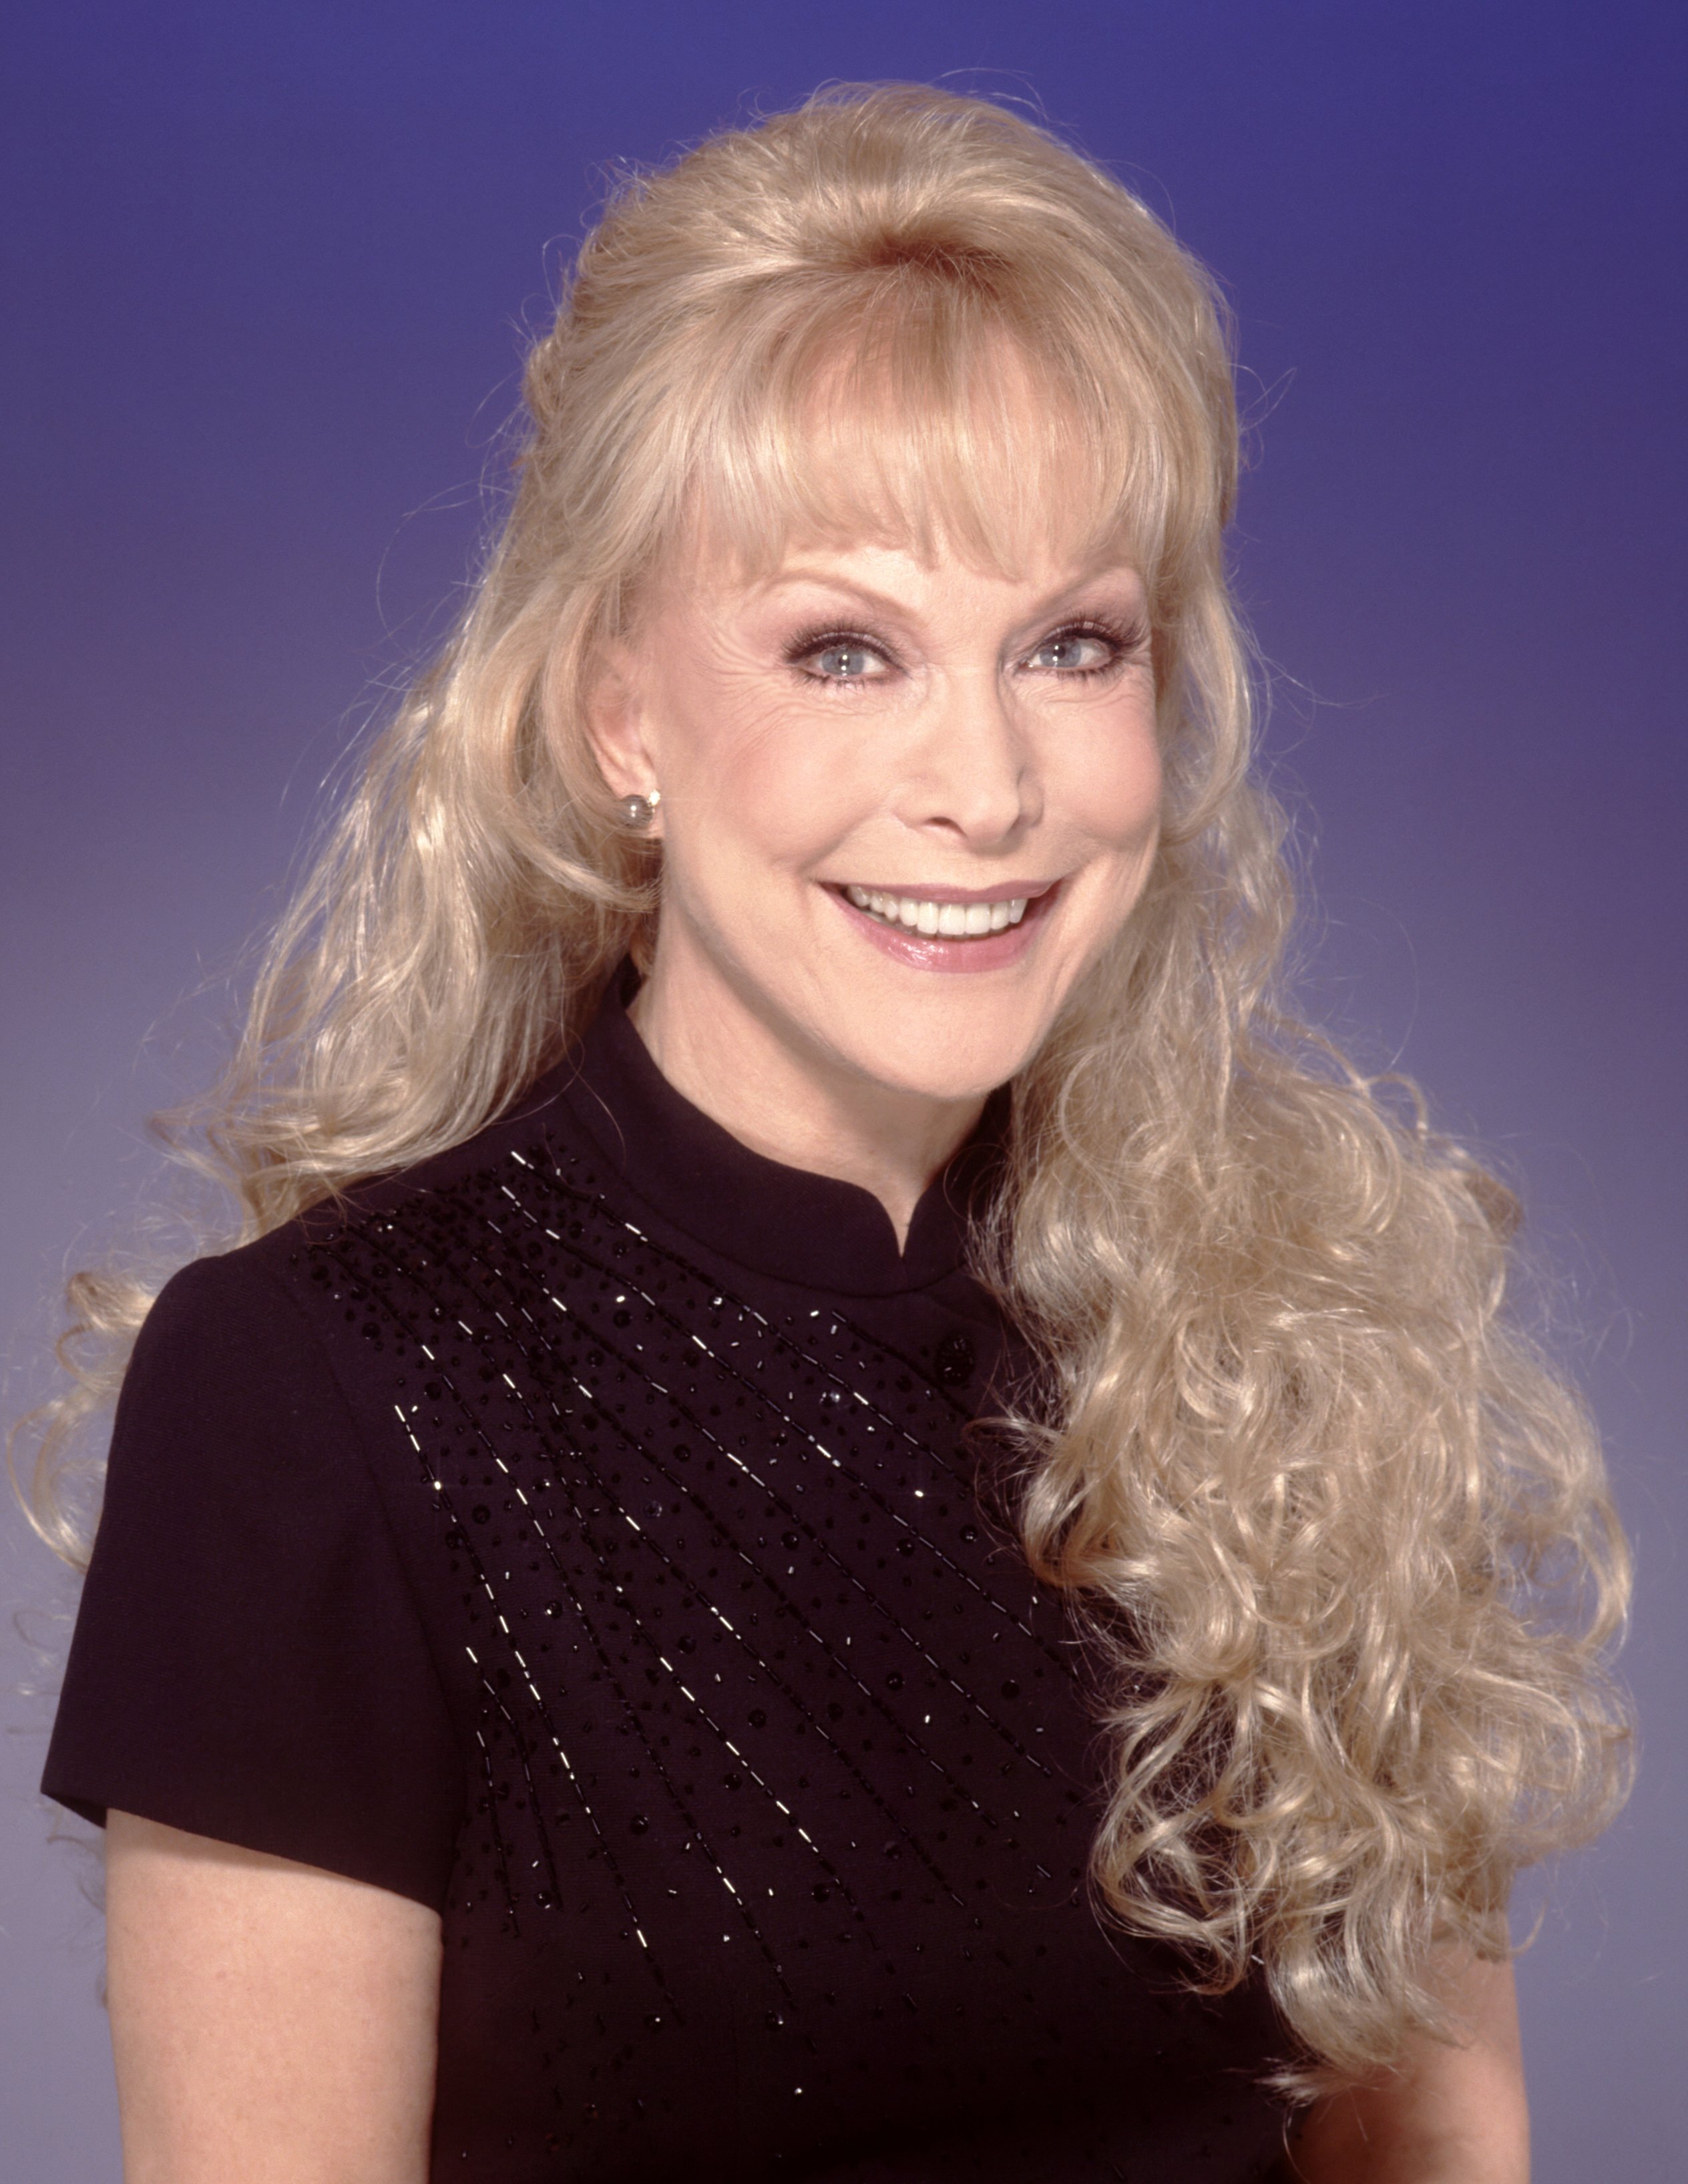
<point>614,724</point>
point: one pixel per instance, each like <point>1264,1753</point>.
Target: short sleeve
<point>249,1662</point>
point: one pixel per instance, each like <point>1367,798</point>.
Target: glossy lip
<point>928,951</point>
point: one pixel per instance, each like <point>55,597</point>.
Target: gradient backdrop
<point>266,267</point>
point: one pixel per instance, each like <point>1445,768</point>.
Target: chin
<point>939,1067</point>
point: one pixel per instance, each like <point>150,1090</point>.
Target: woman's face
<point>904,802</point>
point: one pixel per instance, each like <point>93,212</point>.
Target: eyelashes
<point>1126,642</point>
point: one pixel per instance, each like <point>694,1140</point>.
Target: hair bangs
<point>919,414</point>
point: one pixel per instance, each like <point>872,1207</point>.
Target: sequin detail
<point>778,1752</point>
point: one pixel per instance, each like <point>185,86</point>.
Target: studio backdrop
<point>267,274</point>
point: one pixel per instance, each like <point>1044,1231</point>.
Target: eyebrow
<point>888,602</point>
<point>799,575</point>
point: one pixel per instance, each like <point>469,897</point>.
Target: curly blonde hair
<point>1340,1539</point>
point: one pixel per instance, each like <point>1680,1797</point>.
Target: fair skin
<point>1443,2116</point>
<point>270,2024</point>
<point>915,731</point>
<point>858,745</point>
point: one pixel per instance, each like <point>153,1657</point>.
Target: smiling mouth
<point>945,920</point>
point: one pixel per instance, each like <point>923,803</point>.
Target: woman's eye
<point>1074,652</point>
<point>844,661</point>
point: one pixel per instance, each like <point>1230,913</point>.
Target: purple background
<point>265,267</point>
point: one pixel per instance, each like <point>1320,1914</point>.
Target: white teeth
<point>953,920</point>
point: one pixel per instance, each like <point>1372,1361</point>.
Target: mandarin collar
<point>812,1230</point>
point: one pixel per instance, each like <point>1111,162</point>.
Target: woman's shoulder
<point>440,1202</point>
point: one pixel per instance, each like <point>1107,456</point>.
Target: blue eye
<point>839,656</point>
<point>1075,652</point>
<point>844,663</point>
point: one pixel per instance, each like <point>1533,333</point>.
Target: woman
<point>568,1695</point>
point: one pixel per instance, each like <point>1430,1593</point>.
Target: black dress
<point>576,1533</point>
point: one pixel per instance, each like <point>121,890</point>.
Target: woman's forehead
<point>893,570</point>
<point>872,574</point>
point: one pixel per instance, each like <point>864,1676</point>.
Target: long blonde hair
<point>1341,1539</point>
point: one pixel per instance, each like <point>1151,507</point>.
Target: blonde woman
<point>570,1695</point>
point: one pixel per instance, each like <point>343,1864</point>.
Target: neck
<point>791,1102</point>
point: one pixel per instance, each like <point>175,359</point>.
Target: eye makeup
<point>1126,641</point>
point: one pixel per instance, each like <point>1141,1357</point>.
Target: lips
<point>951,928</point>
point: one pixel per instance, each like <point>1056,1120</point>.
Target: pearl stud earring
<point>638,811</point>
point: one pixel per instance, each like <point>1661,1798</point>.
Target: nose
<point>971,771</point>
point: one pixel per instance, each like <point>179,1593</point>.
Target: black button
<point>954,1359</point>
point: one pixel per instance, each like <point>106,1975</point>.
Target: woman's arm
<point>1446,2115</point>
<point>272,2024</point>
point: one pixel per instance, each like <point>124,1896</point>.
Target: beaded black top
<point>576,1533</point>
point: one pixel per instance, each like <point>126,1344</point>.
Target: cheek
<point>753,789</point>
<point>1112,786</point>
